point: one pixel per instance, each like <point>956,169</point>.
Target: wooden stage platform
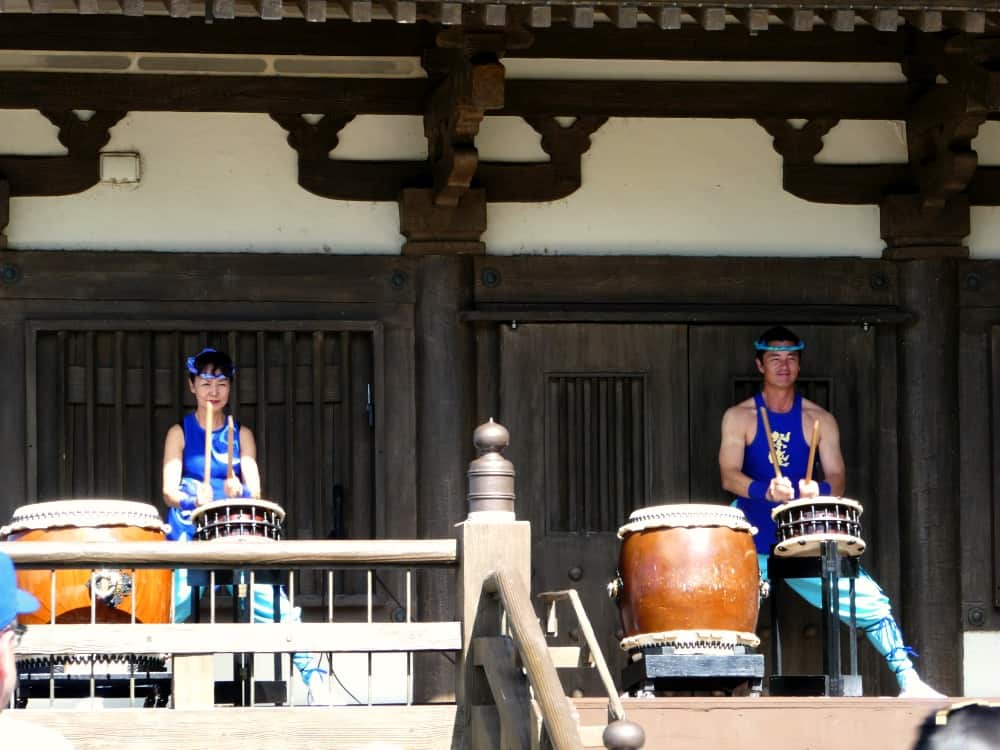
<point>669,723</point>
<point>785,723</point>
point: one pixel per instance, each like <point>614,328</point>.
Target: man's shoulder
<point>813,410</point>
<point>23,733</point>
<point>745,408</point>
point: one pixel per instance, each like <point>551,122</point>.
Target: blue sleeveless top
<point>194,470</point>
<point>792,449</point>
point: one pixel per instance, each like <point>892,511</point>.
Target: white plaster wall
<point>982,664</point>
<point>226,182</point>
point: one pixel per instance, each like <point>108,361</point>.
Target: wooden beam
<point>581,16</point>
<point>359,11</point>
<point>665,16</point>
<point>622,16</point>
<point>426,727</point>
<point>402,11</point>
<point>928,21</point>
<point>314,11</point>
<point>838,19</point>
<point>179,8</point>
<point>798,19</point>
<point>495,14</point>
<point>712,19</point>
<point>87,7</point>
<point>223,553</point>
<point>221,638</point>
<point>269,10</point>
<point>754,19</point>
<point>133,8</point>
<point>882,19</point>
<point>190,93</point>
<point>970,21</point>
<point>540,16</point>
<point>341,37</point>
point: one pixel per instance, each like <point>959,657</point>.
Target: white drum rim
<point>83,513</point>
<point>853,546</point>
<point>236,502</point>
<point>819,500</point>
<point>686,516</point>
<point>712,639</point>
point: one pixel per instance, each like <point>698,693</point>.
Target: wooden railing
<point>508,692</point>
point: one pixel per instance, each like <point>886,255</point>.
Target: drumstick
<point>229,457</point>
<point>209,424</point>
<point>812,451</point>
<point>770,442</point>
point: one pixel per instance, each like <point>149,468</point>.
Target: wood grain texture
<point>402,727</point>
<point>206,638</point>
<point>233,553</point>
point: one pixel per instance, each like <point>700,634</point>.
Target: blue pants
<point>263,611</point>
<point>873,615</point>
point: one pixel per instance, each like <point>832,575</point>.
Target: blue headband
<point>763,346</point>
<point>206,375</point>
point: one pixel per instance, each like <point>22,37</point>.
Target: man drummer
<point>231,473</point>
<point>747,471</point>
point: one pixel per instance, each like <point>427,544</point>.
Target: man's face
<point>779,368</point>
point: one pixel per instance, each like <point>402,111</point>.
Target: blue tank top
<point>194,470</point>
<point>792,449</point>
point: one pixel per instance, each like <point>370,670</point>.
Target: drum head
<point>235,504</point>
<point>684,515</point>
<point>820,501</point>
<point>83,513</point>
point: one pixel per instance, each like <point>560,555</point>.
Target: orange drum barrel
<point>688,577</point>
<point>116,591</point>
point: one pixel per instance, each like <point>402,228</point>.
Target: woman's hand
<point>233,487</point>
<point>205,494</point>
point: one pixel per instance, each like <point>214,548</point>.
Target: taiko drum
<point>239,518</point>
<point>688,569</point>
<point>117,593</point>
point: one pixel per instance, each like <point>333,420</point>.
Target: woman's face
<point>210,390</point>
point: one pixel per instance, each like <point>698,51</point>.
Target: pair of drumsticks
<point>774,453</point>
<point>209,425</point>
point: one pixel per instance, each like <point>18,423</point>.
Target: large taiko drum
<point>688,578</point>
<point>803,524</point>
<point>117,594</point>
<point>238,518</point>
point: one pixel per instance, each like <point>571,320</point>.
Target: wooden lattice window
<point>596,450</point>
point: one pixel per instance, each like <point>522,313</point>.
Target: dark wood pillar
<point>445,364</point>
<point>928,247</point>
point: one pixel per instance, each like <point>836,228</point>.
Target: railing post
<point>489,538</point>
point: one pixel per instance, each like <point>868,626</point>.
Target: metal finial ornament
<point>491,476</point>
<point>623,735</point>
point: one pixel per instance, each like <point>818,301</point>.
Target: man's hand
<point>780,490</point>
<point>808,489</point>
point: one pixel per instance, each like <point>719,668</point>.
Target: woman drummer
<point>185,451</point>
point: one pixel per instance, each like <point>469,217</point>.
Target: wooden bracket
<point>62,175</point>
<point>473,82</point>
<point>797,145</point>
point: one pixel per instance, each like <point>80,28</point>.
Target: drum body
<point>688,577</point>
<point>803,524</point>
<point>238,518</point>
<point>117,593</point>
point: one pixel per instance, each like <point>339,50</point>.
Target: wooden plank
<point>232,553</point>
<point>359,11</point>
<point>402,11</point>
<point>495,654</point>
<point>206,638</point>
<point>313,11</point>
<point>192,93</point>
<point>839,19</point>
<point>244,36</point>
<point>156,276</point>
<point>562,281</point>
<point>269,10</point>
<point>194,681</point>
<point>430,727</point>
<point>718,313</point>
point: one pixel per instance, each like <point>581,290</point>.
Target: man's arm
<point>731,450</point>
<point>830,456</point>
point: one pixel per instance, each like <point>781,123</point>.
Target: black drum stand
<point>829,567</point>
<point>238,690</point>
<point>658,669</point>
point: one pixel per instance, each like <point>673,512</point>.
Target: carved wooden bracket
<point>62,175</point>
